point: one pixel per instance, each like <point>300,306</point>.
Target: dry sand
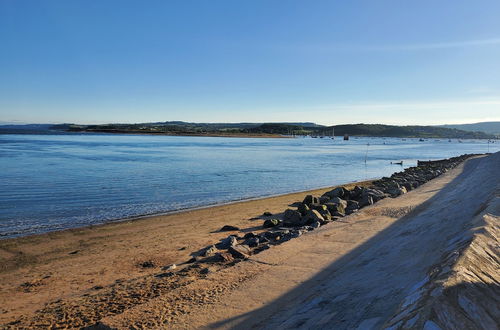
<point>427,258</point>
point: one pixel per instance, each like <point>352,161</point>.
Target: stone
<point>313,216</point>
<point>252,242</point>
<point>227,242</point>
<point>225,256</point>
<point>337,192</point>
<point>395,192</point>
<point>319,207</point>
<point>365,201</point>
<point>324,199</point>
<point>249,235</point>
<point>335,208</point>
<point>316,224</point>
<point>271,223</point>
<point>310,199</point>
<point>148,264</point>
<point>303,209</point>
<point>292,218</point>
<point>338,200</point>
<point>240,251</point>
<point>263,239</point>
<point>170,267</point>
<point>206,271</point>
<point>210,251</point>
<point>229,228</point>
<point>267,214</point>
<point>352,206</point>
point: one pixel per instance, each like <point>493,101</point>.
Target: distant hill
<point>241,129</point>
<point>489,127</point>
<point>408,131</point>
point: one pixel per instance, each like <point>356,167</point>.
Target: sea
<point>54,182</point>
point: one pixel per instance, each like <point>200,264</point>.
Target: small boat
<point>397,163</point>
<point>421,140</point>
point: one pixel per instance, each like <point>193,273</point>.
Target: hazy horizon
<point>396,63</point>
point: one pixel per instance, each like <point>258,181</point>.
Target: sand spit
<point>419,260</point>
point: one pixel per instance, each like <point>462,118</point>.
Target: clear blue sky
<point>330,62</point>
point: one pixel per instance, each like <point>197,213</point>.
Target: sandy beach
<point>355,271</point>
<point>69,263</point>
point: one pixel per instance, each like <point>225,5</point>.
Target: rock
<point>313,216</point>
<point>272,234</point>
<point>148,264</point>
<point>337,192</point>
<point>210,251</point>
<point>303,209</point>
<point>225,256</point>
<point>249,235</point>
<point>170,267</point>
<point>352,206</point>
<point>227,242</point>
<point>338,200</point>
<point>252,242</point>
<point>240,251</point>
<point>336,209</point>
<point>229,228</point>
<point>271,223</point>
<point>375,194</point>
<point>319,207</point>
<point>324,199</point>
<point>267,214</point>
<point>206,271</point>
<point>292,218</point>
<point>365,201</point>
<point>316,224</point>
<point>394,192</point>
<point>310,199</point>
<point>263,239</point>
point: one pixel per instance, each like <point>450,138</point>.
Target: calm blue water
<point>51,182</point>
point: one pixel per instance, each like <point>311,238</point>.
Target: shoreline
<point>188,209</point>
<point>40,268</point>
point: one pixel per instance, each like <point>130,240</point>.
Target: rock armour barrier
<point>316,211</point>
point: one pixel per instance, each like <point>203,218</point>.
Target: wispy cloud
<point>340,47</point>
<point>430,46</point>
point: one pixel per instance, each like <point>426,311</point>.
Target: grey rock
<point>227,242</point>
<point>240,251</point>
<point>210,251</point>
<point>313,216</point>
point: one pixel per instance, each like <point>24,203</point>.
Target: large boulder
<point>310,199</point>
<point>313,216</point>
<point>352,206</point>
<point>337,192</point>
<point>303,209</point>
<point>324,199</point>
<point>395,192</point>
<point>336,209</point>
<point>365,200</point>
<point>338,200</point>
<point>292,218</point>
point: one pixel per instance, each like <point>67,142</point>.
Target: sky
<point>330,62</point>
